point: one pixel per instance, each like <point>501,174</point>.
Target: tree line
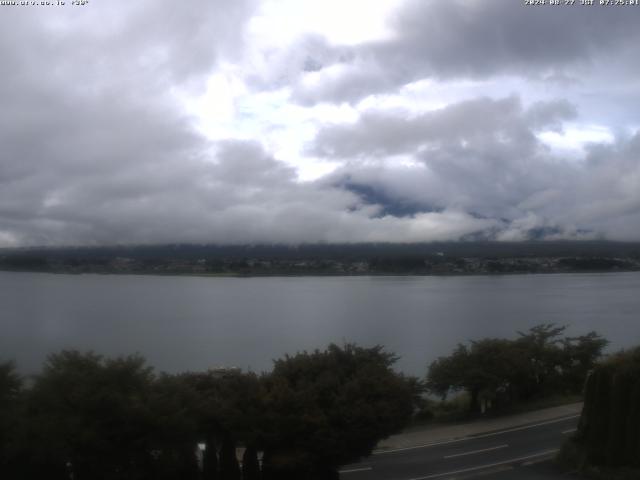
<point>85,416</point>
<point>497,373</point>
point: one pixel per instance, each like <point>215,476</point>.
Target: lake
<point>192,323</point>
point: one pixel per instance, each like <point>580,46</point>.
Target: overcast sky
<point>292,121</point>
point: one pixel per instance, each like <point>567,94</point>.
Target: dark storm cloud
<point>475,39</point>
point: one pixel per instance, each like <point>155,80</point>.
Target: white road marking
<point>490,465</point>
<point>476,451</point>
<point>464,439</point>
<point>354,470</point>
<point>566,432</point>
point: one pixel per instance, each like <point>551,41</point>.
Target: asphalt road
<point>520,453</point>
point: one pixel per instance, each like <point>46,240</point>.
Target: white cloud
<point>293,120</point>
<point>279,22</point>
<point>571,141</point>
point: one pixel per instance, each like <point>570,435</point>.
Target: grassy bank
<point>456,410</point>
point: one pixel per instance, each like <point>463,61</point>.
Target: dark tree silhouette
<point>608,435</point>
<point>250,464</point>
<point>498,372</point>
<point>229,467</point>
<point>99,418</point>
<point>10,391</point>
<point>329,408</point>
<point>210,460</point>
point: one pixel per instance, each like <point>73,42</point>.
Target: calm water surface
<point>190,323</point>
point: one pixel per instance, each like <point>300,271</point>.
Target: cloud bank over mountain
<point>154,123</point>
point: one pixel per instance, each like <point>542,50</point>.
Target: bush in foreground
<point>607,442</point>
<point>329,408</point>
<point>95,418</point>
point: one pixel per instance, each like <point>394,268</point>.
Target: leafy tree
<point>175,430</point>
<point>581,355</point>
<point>10,391</point>
<point>229,467</point>
<point>542,347</point>
<point>608,432</point>
<point>98,418</point>
<point>228,408</point>
<point>210,460</point>
<point>250,464</point>
<point>491,375</point>
<point>229,404</point>
<point>331,407</point>
<point>10,384</point>
<point>496,372</point>
<point>447,374</point>
<point>92,414</point>
<point>486,370</point>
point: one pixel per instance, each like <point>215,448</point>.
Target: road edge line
<point>472,437</point>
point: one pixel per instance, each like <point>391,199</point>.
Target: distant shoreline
<point>435,259</point>
<point>316,274</point>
